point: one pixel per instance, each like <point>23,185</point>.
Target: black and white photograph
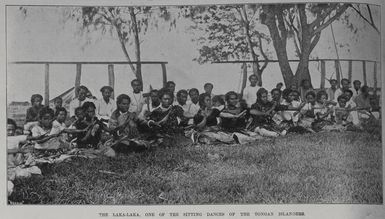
<point>194,104</point>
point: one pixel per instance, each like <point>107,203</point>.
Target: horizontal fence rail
<point>78,64</point>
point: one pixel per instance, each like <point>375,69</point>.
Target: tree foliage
<point>305,23</point>
<point>127,24</point>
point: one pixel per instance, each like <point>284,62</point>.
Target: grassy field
<point>311,168</point>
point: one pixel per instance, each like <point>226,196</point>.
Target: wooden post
<point>323,74</point>
<point>111,78</point>
<point>46,82</point>
<point>244,77</point>
<point>338,74</point>
<point>350,64</point>
<point>375,77</point>
<point>164,74</point>
<point>364,72</point>
<point>78,77</point>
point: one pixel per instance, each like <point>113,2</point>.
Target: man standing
<point>332,90</point>
<point>250,92</point>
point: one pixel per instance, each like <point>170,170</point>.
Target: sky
<point>43,36</point>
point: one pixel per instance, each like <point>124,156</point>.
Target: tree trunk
<point>302,72</point>
<point>137,44</point>
<point>255,65</point>
<point>279,40</point>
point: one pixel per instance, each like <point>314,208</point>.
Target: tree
<point>126,23</point>
<point>230,32</point>
<point>306,22</point>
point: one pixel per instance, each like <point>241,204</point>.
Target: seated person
<point>363,103</point>
<point>181,97</point>
<point>342,114</point>
<point>207,116</point>
<point>206,123</point>
<point>14,142</point>
<point>94,127</point>
<point>307,111</point>
<point>152,103</point>
<point>218,103</point>
<point>105,105</point>
<point>125,125</point>
<point>168,118</point>
<point>32,116</point>
<point>57,103</point>
<point>234,115</point>
<point>323,111</point>
<point>43,129</point>
<point>193,102</point>
<point>80,100</point>
<point>234,119</point>
<point>291,114</point>
<point>58,125</point>
<point>262,111</point>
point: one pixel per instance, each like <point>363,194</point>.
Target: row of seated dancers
<point>137,120</point>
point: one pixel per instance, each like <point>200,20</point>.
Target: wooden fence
<point>337,66</point>
<point>110,68</point>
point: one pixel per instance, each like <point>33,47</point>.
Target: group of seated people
<point>138,120</point>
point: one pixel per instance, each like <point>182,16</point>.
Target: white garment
<point>250,94</point>
<point>192,109</point>
<point>104,110</point>
<point>137,102</point>
<point>75,103</point>
<point>57,127</point>
<point>291,115</point>
<point>14,141</point>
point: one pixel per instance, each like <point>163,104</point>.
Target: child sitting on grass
<point>43,128</point>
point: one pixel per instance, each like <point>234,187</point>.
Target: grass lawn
<point>311,168</point>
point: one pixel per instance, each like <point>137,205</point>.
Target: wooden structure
<point>110,69</point>
<point>337,65</point>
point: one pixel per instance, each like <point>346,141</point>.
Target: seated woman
<point>124,125</point>
<point>291,114</point>
<point>262,112</point>
<point>168,118</point>
<point>323,111</point>
<point>94,127</point>
<point>218,103</point>
<point>234,119</point>
<point>307,111</point>
<point>342,114</point>
<point>206,123</point>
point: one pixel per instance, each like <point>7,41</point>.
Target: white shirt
<point>104,110</point>
<point>137,102</point>
<point>192,109</point>
<point>250,94</point>
<point>75,103</point>
<point>57,127</point>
